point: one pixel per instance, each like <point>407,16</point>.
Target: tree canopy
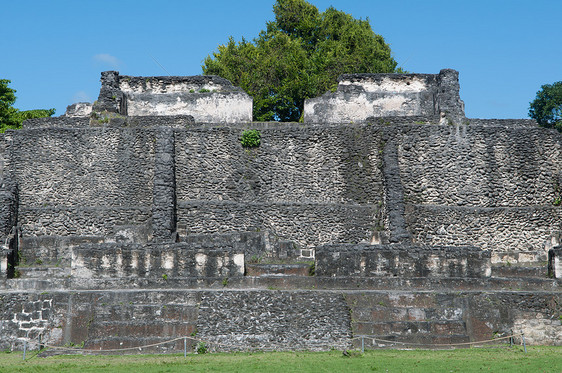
<point>546,108</point>
<point>299,55</point>
<point>10,117</point>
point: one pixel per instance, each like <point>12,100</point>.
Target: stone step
<point>29,284</point>
<point>287,283</point>
<point>298,269</point>
<point>42,272</point>
<point>518,271</point>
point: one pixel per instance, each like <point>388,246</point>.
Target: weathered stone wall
<point>61,121</point>
<point>503,229</point>
<point>402,261</point>
<point>362,96</point>
<point>206,98</point>
<point>489,185</point>
<point>79,109</point>
<point>308,184</point>
<point>233,320</point>
<point>480,166</point>
<point>306,224</point>
<point>455,317</point>
<point>167,261</point>
<point>295,320</point>
<point>97,319</point>
<point>8,206</point>
<point>4,140</point>
<point>305,184</point>
<point>555,262</point>
<point>82,181</point>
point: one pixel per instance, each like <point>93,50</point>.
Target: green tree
<point>546,108</point>
<point>299,55</point>
<point>10,117</point>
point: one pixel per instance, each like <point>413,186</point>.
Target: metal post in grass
<point>362,344</point>
<point>524,344</point>
<point>184,347</point>
<point>24,348</point>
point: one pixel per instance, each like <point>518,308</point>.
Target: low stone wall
<point>97,320</point>
<point>401,260</point>
<point>200,255</point>
<point>61,121</point>
<point>508,229</point>
<point>254,245</point>
<point>206,98</point>
<point>306,224</point>
<point>79,221</point>
<point>155,261</point>
<point>361,96</point>
<point>53,250</point>
<point>234,320</point>
<point>274,320</point>
<point>508,123</point>
<point>454,317</point>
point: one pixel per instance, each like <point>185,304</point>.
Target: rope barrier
<point>113,349</point>
<point>437,344</point>
<point>362,338</point>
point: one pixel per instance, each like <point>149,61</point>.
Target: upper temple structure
<point>363,96</point>
<point>387,214</point>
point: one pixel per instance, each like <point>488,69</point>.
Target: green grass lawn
<point>537,359</point>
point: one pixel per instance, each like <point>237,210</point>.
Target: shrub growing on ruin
<point>250,138</point>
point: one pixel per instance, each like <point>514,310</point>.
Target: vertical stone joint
<point>164,190</point>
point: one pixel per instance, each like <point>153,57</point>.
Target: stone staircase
<point>279,269</point>
<point>39,276</point>
<point>42,272</point>
<point>520,270</point>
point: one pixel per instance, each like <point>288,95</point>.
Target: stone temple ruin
<point>387,214</point>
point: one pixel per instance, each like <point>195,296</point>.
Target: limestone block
<point>362,96</point>
<point>79,109</point>
<point>555,262</point>
<point>208,99</point>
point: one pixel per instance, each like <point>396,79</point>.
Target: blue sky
<point>53,51</point>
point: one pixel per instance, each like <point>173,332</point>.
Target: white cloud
<point>107,59</point>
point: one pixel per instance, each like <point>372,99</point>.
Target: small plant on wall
<point>557,194</point>
<point>250,139</point>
